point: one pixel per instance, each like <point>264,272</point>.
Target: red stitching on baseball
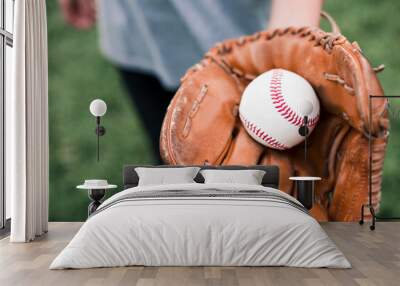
<point>275,90</point>
<point>263,135</point>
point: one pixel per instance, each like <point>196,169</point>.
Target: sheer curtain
<point>27,124</point>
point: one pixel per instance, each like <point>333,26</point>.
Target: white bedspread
<point>182,231</point>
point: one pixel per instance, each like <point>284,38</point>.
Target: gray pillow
<point>248,177</point>
<point>163,176</point>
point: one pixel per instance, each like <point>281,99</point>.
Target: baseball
<point>273,107</point>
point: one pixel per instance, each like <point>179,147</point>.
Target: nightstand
<point>96,192</point>
<point>305,190</point>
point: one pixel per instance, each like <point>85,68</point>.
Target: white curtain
<point>27,124</point>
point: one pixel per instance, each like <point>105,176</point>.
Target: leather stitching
<point>262,134</point>
<point>193,110</point>
<point>278,100</point>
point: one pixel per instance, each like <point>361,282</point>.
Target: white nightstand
<point>96,191</point>
<point>305,190</point>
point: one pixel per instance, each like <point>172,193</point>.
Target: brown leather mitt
<point>202,125</point>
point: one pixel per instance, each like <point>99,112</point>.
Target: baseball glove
<point>202,125</point>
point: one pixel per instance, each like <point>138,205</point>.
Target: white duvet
<point>185,231</point>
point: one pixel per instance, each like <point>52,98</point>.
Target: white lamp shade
<point>98,107</point>
<point>306,108</point>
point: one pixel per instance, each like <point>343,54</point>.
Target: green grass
<point>78,73</point>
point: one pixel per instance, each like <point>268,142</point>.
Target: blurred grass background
<point>78,74</point>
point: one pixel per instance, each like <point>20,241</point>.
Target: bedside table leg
<point>305,193</point>
<point>96,196</point>
<point>93,207</point>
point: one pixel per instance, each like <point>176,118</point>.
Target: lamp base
<point>304,131</point>
<point>100,130</point>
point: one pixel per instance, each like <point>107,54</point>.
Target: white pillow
<point>163,176</point>
<point>248,177</point>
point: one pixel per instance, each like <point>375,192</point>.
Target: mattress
<point>201,225</point>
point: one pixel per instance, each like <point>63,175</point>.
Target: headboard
<point>271,177</point>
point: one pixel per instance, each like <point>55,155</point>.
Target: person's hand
<point>286,13</point>
<point>79,13</point>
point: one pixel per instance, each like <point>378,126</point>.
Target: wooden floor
<point>375,257</point>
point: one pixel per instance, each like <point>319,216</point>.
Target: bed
<point>201,224</point>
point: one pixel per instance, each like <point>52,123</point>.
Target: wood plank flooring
<point>375,257</point>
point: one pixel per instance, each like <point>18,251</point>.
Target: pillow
<point>163,176</point>
<point>248,177</point>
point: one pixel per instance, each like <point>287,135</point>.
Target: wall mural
<point>238,105</point>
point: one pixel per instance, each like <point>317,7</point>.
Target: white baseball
<point>273,107</point>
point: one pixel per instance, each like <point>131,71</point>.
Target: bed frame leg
<point>372,226</point>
